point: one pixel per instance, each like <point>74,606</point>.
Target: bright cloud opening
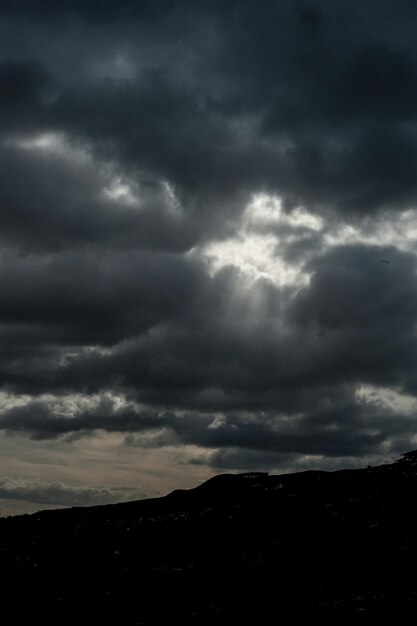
<point>255,248</point>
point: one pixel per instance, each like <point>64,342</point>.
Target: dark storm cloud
<point>23,93</point>
<point>95,9</point>
<point>230,459</point>
<point>88,299</point>
<point>362,305</point>
<point>335,428</point>
<point>131,134</point>
<point>310,434</point>
<point>217,356</point>
<point>315,101</point>
<point>354,322</point>
<point>40,421</point>
<point>63,204</point>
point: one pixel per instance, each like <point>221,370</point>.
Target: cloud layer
<point>208,227</point>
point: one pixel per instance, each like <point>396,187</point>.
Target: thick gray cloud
<point>313,100</point>
<point>134,139</point>
<point>64,205</point>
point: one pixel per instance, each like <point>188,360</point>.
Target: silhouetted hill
<point>313,544</point>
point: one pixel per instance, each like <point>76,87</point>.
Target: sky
<point>208,242</point>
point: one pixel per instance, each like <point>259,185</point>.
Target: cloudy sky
<point>208,242</point>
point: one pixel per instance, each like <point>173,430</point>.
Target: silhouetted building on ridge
<point>253,475</point>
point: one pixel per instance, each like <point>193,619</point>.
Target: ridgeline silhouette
<point>240,547</point>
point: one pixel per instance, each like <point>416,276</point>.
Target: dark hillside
<point>235,548</point>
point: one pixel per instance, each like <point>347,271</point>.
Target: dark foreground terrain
<point>260,549</point>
